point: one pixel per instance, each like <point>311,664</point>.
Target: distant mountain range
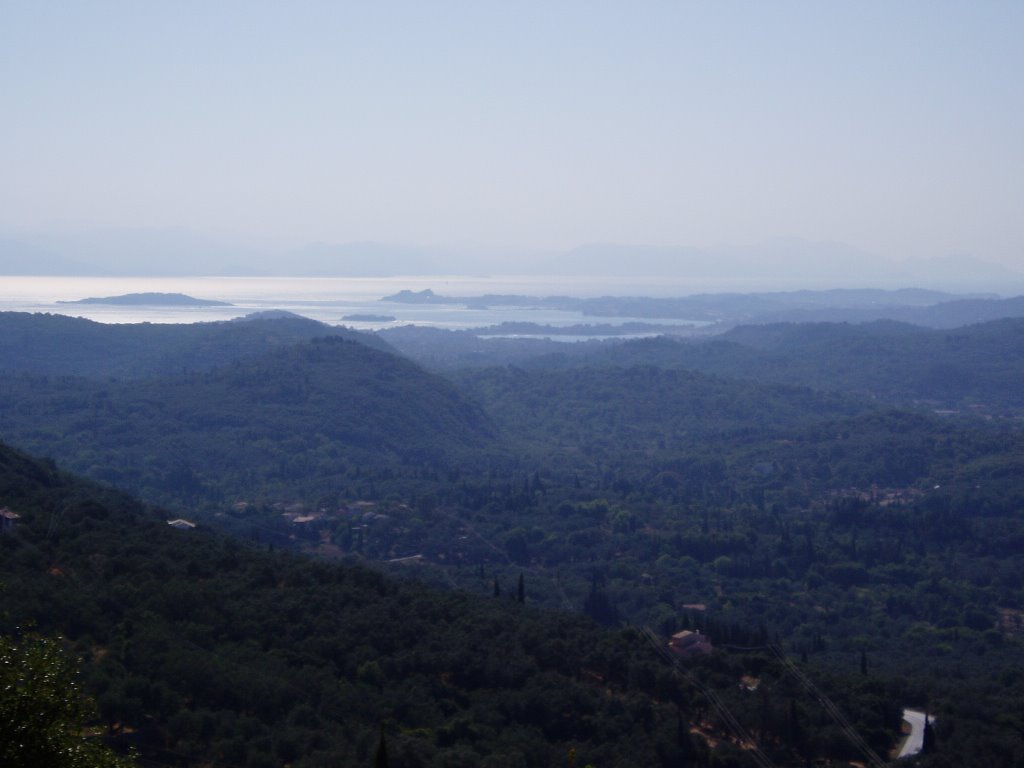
<point>177,253</point>
<point>20,258</point>
<point>777,264</point>
<point>784,263</point>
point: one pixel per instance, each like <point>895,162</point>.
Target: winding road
<point>915,741</point>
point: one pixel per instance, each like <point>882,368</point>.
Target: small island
<point>151,300</point>
<point>426,296</point>
<point>369,318</point>
<point>271,314</point>
<point>519,328</point>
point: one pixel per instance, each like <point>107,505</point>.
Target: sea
<point>331,300</point>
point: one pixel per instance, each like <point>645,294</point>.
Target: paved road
<point>915,741</point>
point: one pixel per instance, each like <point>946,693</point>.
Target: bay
<point>328,300</point>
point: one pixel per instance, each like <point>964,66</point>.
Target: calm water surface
<point>325,299</point>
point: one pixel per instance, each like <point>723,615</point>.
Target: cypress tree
<point>381,761</point>
<point>928,742</point>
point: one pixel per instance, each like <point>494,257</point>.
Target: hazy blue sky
<point>896,127</point>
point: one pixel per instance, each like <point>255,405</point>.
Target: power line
<point>830,707</point>
<point>734,726</point>
<point>739,733</point>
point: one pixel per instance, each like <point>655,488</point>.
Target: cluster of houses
<point>358,511</point>
<point>883,497</point>
<point>298,513</point>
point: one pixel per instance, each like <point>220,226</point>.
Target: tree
<point>381,761</point>
<point>928,742</point>
<point>42,711</point>
<point>521,590</point>
<point>598,606</point>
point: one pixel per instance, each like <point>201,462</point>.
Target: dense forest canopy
<point>198,648</point>
<point>976,366</point>
<point>297,416</point>
<point>850,495</point>
<point>73,346</point>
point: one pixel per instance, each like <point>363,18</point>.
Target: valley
<point>848,494</point>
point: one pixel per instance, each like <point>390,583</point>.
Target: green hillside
<point>292,422</point>
<point>630,415</point>
<point>201,651</point>
<point>73,346</point>
<point>880,546</point>
<point>976,366</point>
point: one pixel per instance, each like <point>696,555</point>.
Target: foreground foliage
<point>200,648</point>
<point>43,714</point>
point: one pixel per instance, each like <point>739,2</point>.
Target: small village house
<point>690,643</point>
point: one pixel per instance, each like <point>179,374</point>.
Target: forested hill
<point>630,416</point>
<point>638,427</point>
<point>74,346</point>
<point>288,424</point>
<point>881,545</point>
<point>976,366</point>
<point>202,651</point>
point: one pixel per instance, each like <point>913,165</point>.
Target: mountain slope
<point>977,365</point>
<point>74,346</point>
<point>627,414</point>
<point>202,651</point>
<point>295,420</point>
